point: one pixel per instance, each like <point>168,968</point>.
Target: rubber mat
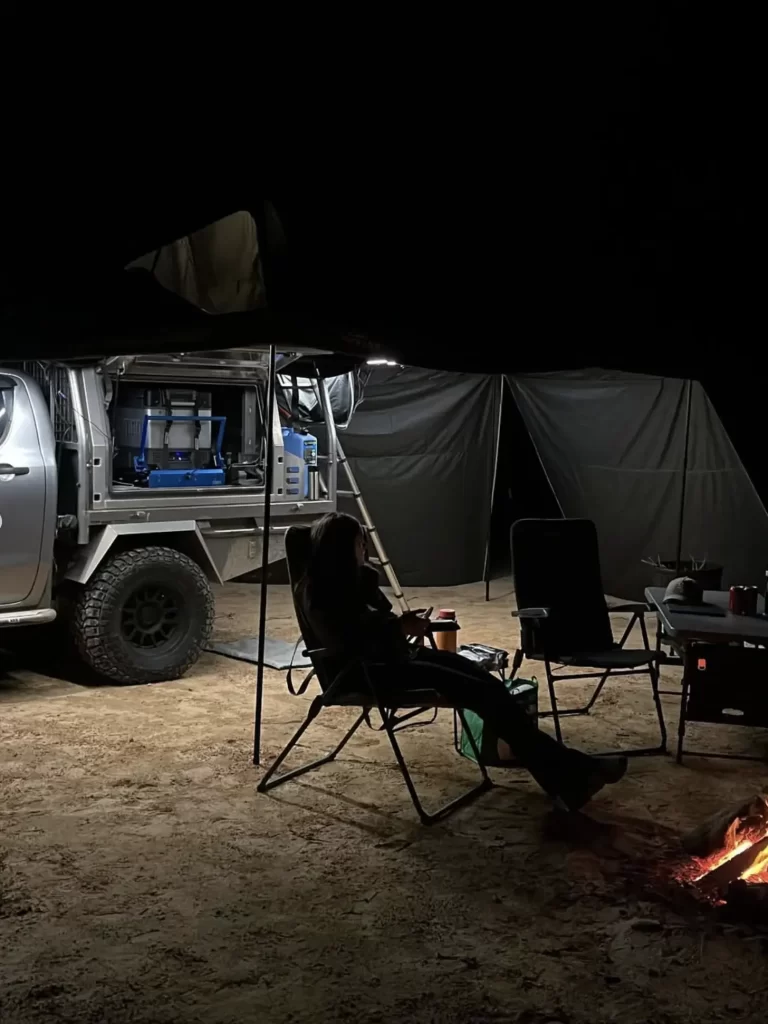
<point>278,654</point>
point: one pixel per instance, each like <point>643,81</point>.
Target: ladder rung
<point>348,494</point>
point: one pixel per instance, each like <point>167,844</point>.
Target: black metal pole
<point>679,550</point>
<point>487,562</point>
<point>268,473</point>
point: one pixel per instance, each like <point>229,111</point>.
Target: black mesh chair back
<point>298,551</point>
<point>556,565</point>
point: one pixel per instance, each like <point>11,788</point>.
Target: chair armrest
<point>631,607</point>
<point>531,613</point>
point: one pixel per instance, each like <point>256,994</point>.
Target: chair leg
<point>598,690</point>
<point>402,722</point>
<point>681,722</point>
<point>646,751</point>
<point>315,708</point>
<point>630,626</point>
<point>443,812</point>
<point>565,712</point>
<point>517,661</point>
<point>653,672</point>
<point>556,714</point>
<point>553,702</point>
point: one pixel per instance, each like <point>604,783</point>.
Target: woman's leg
<point>559,770</point>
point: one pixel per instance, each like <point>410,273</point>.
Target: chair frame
<point>368,699</point>
<point>534,615</point>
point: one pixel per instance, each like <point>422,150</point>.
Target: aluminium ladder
<point>381,555</point>
<point>381,558</point>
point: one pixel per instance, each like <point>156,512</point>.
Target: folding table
<point>724,682</point>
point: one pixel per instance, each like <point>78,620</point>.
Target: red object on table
<point>743,600</point>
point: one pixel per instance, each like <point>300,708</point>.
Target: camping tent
<point>613,446</point>
<point>427,447</point>
<point>423,447</point>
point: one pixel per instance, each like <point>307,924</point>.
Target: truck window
<point>6,408</point>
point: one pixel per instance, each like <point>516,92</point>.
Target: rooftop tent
<point>371,271</point>
<point>612,446</point>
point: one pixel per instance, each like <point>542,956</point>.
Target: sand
<point>143,878</point>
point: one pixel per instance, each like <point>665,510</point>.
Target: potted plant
<point>708,574</point>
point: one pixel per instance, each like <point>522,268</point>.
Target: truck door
<point>22,492</point>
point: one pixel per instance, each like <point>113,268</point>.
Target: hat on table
<point>684,590</point>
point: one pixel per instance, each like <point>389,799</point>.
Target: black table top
<point>720,628</point>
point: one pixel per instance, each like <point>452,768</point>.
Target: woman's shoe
<point>605,771</point>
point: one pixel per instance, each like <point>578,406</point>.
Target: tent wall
<point>423,447</point>
<point>612,446</point>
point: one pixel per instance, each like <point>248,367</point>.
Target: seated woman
<point>341,600</point>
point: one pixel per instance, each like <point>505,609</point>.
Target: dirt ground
<point>142,878</point>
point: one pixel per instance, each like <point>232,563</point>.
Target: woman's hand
<point>414,623</point>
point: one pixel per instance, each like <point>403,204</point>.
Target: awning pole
<point>679,550</point>
<point>487,560</point>
<point>268,474</point>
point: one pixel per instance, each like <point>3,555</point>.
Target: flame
<point>738,839</point>
<point>758,871</point>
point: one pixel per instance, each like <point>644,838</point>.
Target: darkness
<point>521,491</point>
<point>591,201</point>
<point>744,412</point>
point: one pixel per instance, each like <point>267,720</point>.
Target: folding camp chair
<point>358,685</point>
<point>564,618</point>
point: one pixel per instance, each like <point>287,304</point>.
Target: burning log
<point>730,870</point>
<point>724,831</point>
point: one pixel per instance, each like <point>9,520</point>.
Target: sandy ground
<point>142,878</point>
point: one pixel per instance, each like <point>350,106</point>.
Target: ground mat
<point>277,653</point>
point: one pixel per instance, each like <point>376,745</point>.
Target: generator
<point>300,463</point>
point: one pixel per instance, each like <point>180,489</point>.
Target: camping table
<point>716,672</point>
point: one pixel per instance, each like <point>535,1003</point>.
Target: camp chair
<point>357,685</point>
<point>564,618</point>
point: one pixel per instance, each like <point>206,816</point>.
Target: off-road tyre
<point>112,623</point>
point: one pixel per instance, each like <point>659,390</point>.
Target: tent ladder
<point>373,534</point>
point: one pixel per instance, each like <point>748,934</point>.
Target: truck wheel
<point>144,616</point>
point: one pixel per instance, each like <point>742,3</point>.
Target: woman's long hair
<point>332,575</point>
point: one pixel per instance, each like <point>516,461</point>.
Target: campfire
<point>729,856</point>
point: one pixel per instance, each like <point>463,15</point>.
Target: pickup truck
<point>121,541</point>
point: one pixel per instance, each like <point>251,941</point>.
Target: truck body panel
<point>27,494</point>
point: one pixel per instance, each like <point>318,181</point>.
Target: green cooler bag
<point>494,751</point>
